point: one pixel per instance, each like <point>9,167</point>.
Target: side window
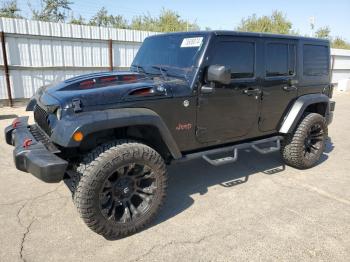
<point>316,60</point>
<point>280,59</point>
<point>277,60</point>
<point>238,56</point>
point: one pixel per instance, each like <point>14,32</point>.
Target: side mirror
<point>219,74</point>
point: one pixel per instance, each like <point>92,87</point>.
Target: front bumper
<point>36,158</point>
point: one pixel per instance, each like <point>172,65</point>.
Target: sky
<point>225,14</point>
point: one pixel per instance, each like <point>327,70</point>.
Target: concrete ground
<point>254,210</point>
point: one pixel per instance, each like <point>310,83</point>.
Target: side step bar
<point>234,149</point>
<point>222,161</point>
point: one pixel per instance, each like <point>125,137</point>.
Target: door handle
<point>289,88</point>
<point>251,91</point>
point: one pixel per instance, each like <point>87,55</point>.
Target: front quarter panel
<point>90,122</point>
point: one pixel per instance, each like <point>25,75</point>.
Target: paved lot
<point>277,213</point>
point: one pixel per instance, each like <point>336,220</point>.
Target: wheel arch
<point>141,124</point>
<point>312,103</point>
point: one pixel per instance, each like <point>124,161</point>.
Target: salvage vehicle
<point>187,95</point>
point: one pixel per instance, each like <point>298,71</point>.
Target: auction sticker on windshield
<point>192,42</point>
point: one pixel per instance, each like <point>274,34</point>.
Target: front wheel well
<point>147,134</point>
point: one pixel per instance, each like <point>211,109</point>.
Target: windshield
<point>175,54</point>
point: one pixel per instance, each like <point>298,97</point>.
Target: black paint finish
<point>253,105</point>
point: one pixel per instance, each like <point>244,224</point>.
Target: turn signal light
<point>78,136</point>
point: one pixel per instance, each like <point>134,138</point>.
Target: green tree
<point>78,20</point>
<point>168,21</point>
<point>337,42</point>
<point>102,18</point>
<point>340,43</point>
<point>277,23</point>
<point>323,32</point>
<point>10,9</point>
<point>144,22</point>
<point>52,11</point>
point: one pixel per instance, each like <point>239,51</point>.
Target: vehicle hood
<point>106,88</point>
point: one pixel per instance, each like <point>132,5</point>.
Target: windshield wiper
<point>184,76</point>
<point>162,70</point>
<point>138,68</point>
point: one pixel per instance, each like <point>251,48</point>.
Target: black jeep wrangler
<point>187,95</point>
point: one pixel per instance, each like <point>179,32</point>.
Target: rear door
<point>279,84</point>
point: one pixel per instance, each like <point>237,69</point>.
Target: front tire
<point>121,188</point>
<point>304,147</point>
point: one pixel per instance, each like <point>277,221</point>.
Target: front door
<point>230,111</point>
<point>279,84</point>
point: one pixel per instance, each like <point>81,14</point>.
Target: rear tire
<point>121,188</point>
<point>304,147</point>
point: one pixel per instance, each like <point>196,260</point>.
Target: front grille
<point>40,136</point>
<point>42,119</point>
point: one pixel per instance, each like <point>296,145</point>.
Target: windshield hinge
<point>76,104</point>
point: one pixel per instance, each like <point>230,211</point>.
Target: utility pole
<point>312,25</point>
<point>6,67</point>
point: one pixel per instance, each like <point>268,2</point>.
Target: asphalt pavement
<point>256,209</point>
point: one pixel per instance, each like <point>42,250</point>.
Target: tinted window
<point>175,51</point>
<point>277,60</point>
<point>238,56</point>
<point>316,60</point>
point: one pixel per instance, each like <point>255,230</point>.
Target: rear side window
<point>280,59</point>
<point>315,60</point>
<point>238,56</point>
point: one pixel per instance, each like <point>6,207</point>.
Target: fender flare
<point>298,108</point>
<point>90,122</point>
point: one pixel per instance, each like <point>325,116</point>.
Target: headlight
<point>59,113</point>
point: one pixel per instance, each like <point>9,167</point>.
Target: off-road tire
<point>96,169</point>
<point>294,147</point>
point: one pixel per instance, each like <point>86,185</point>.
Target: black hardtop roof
<point>247,34</point>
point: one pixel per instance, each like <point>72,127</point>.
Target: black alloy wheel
<point>314,140</point>
<point>127,194</point>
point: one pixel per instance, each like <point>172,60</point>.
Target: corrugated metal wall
<point>340,64</point>
<point>41,53</point>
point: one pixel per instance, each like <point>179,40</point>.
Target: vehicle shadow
<point>196,176</point>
